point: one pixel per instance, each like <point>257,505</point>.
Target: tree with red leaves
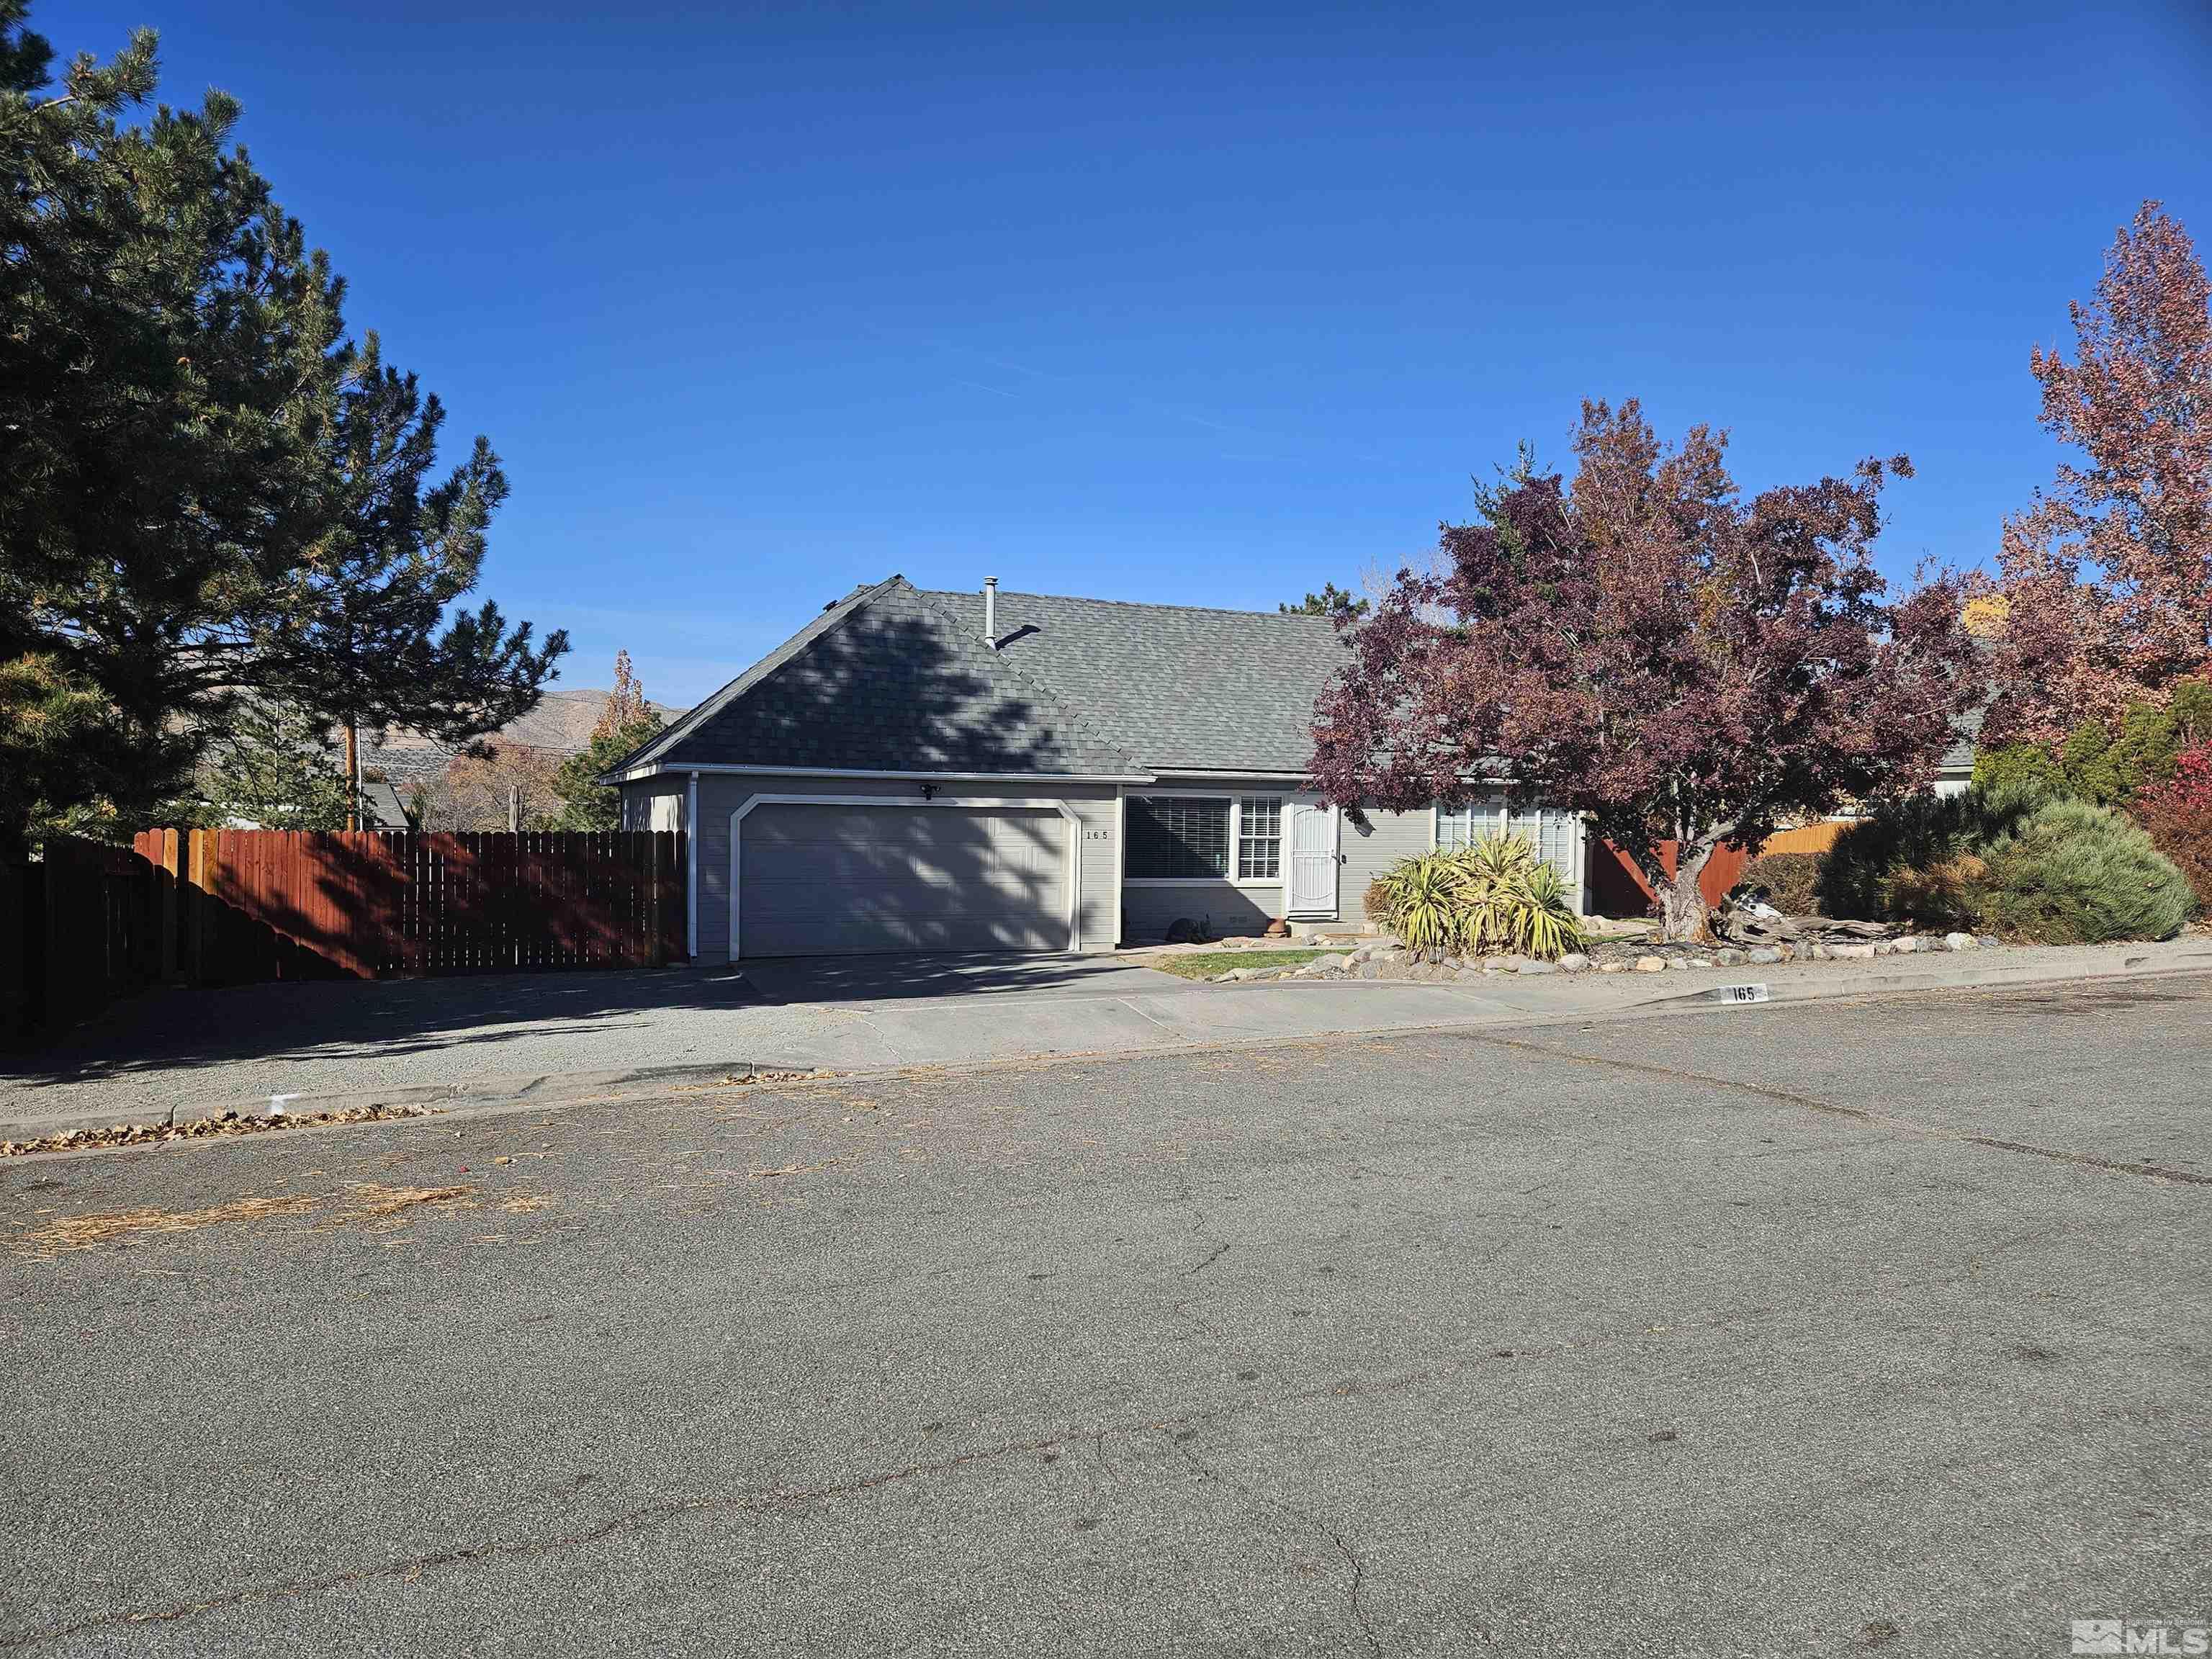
<point>2107,580</point>
<point>1644,647</point>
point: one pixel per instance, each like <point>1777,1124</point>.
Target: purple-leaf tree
<point>1644,647</point>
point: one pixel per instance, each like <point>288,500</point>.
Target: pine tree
<point>190,509</point>
<point>273,768</point>
<point>626,722</point>
<point>358,635</point>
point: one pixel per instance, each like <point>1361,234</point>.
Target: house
<point>919,770</point>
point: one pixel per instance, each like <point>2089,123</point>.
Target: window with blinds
<point>1176,837</point>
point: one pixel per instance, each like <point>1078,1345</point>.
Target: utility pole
<point>353,776</point>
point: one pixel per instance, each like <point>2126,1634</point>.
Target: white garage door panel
<point>822,880</point>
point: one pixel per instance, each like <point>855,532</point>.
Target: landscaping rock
<point>1987,941</point>
<point>1959,942</point>
<point>1328,964</point>
<point>1573,963</point>
<point>1699,961</point>
<point>1466,974</point>
<point>1539,967</point>
<point>1728,959</point>
<point>1816,953</point>
<point>1371,969</point>
<point>1612,967</point>
<point>1852,952</point>
<point>1763,955</point>
<point>1650,964</point>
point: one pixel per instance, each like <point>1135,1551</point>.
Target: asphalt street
<point>1828,1328</point>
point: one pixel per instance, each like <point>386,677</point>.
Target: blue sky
<point>1207,304</point>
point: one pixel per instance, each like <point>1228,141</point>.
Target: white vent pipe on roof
<point>991,610</point>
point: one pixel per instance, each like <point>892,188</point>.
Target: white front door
<point>1311,837</point>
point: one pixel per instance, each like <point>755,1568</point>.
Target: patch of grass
<point>1212,964</point>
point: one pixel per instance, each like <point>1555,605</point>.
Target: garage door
<point>822,880</point>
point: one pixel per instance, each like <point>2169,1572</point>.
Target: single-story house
<point>918,770</point>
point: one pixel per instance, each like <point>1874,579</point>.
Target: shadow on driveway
<point>897,977</point>
<point>163,1031</point>
<point>487,1022</point>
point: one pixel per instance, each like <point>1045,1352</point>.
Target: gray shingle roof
<point>1183,687</point>
<point>889,680</point>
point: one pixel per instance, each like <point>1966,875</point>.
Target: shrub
<point>1952,894</point>
<point>2072,873</point>
<point>1422,902</point>
<point>2178,816</point>
<point>2111,767</point>
<point>1915,834</point>
<point>1494,895</point>
<point>1784,880</point>
<point>2026,772</point>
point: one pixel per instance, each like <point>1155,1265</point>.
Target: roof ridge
<point>825,622</point>
<point>1130,604</point>
<point>1001,664</point>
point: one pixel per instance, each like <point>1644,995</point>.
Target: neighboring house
<point>968,771</point>
<point>1956,769</point>
<point>560,724</point>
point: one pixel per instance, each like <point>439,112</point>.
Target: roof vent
<point>991,612</point>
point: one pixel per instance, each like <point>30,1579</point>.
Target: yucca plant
<point>1544,922</point>
<point>1492,870</point>
<point>1422,901</point>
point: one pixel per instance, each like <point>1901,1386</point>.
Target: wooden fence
<point>1617,887</point>
<point>228,907</point>
<point>78,929</point>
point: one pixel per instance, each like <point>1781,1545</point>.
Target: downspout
<point>691,867</point>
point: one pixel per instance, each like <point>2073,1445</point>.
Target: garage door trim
<point>1069,866</point>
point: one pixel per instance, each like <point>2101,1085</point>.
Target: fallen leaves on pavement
<point>204,1129</point>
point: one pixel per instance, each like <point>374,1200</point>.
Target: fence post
<point>167,896</point>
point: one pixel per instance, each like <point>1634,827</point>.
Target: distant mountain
<point>560,724</point>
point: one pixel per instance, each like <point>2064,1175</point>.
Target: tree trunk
<point>353,776</point>
<point>1682,911</point>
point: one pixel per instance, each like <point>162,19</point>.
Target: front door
<point>1311,835</point>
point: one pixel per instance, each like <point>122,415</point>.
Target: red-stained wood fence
<point>264,904</point>
<point>1615,887</point>
<point>88,922</point>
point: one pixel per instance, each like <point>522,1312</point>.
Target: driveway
<point>1854,1329</point>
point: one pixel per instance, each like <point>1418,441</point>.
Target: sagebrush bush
<point>1786,880</point>
<point>2075,873</point>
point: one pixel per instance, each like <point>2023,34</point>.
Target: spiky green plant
<point>1544,923</point>
<point>1422,901</point>
<point>1492,870</point>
